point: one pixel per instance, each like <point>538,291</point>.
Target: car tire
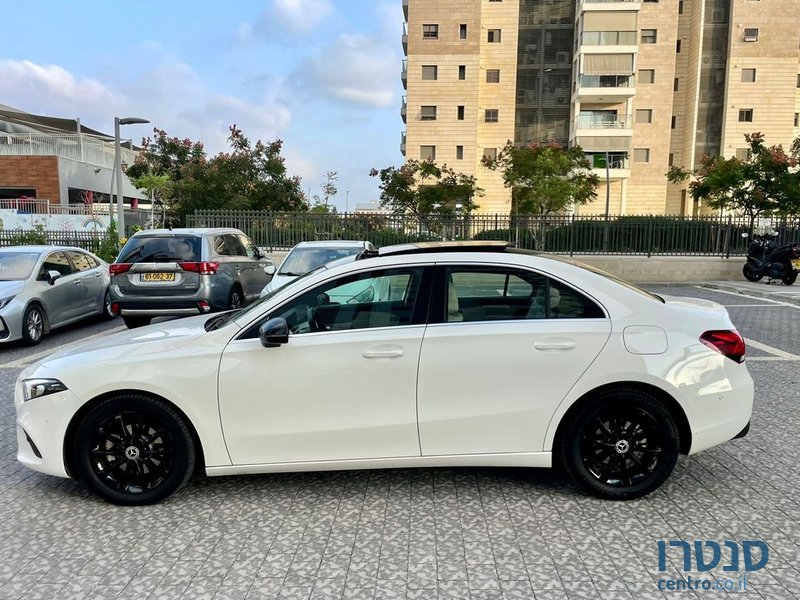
<point>790,278</point>
<point>751,274</point>
<point>33,325</point>
<point>235,298</point>
<point>134,322</point>
<point>107,314</point>
<point>134,450</point>
<point>622,444</point>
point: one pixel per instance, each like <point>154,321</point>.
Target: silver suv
<point>177,272</point>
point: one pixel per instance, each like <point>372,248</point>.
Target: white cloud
<point>284,19</point>
<point>357,69</point>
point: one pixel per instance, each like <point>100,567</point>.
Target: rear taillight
<point>204,268</point>
<point>115,308</point>
<point>727,342</point>
<point>119,268</point>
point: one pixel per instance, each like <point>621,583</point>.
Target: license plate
<point>157,277</point>
<point>796,264</point>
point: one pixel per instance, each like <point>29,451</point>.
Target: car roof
<point>333,244</point>
<point>455,246</point>
<point>40,248</point>
<point>198,231</point>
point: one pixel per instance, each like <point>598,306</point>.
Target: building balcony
<point>605,88</point>
<point>405,9</point>
<point>78,147</point>
<point>403,108</point>
<point>608,5</point>
<point>403,144</point>
<point>618,164</point>
<point>588,124</point>
<point>404,74</point>
<point>607,38</point>
<point>404,38</point>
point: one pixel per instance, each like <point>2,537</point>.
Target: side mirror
<point>52,276</point>
<point>745,235</point>
<point>274,333</point>
<point>269,269</point>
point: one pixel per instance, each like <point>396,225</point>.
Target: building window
<point>649,36</point>
<point>492,115</point>
<point>674,122</point>
<point>460,113</point>
<point>462,31</point>
<point>796,119</point>
<point>745,115</point>
<point>680,7</point>
<point>428,113</point>
<point>493,76</point>
<point>493,36</point>
<point>670,159</point>
<point>798,80</point>
<point>459,152</point>
<point>647,76</point>
<point>430,72</point>
<point>751,34</point>
<point>462,72</point>
<point>430,32</point>
<point>748,75</point>
<point>641,155</point>
<point>490,153</point>
<point>427,152</point>
<point>743,153</point>
<point>678,47</point>
<point>676,84</point>
<point>644,115</point>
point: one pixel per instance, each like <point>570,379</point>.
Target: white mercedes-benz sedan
<point>421,355</point>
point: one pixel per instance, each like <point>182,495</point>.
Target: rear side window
<point>81,261</point>
<point>177,248</point>
<point>498,294</point>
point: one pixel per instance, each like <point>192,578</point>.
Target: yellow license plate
<point>157,277</point>
<point>796,264</point>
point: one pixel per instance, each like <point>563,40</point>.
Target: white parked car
<point>426,355</point>
<point>307,256</point>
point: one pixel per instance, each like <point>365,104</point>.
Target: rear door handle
<point>76,282</point>
<point>397,353</point>
<point>554,346</point>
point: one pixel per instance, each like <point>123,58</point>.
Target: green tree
<point>424,189</point>
<point>108,247</point>
<point>157,189</point>
<point>767,182</point>
<point>545,178</point>
<point>166,155</point>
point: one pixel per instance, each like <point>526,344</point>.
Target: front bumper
<point>11,322</point>
<point>41,426</point>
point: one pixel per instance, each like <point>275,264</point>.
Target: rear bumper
<point>164,308</point>
<point>215,297</point>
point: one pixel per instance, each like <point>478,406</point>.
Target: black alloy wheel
<point>622,445</point>
<point>750,273</point>
<point>235,298</point>
<point>33,322</point>
<point>134,450</point>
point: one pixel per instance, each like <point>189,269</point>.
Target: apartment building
<point>640,85</point>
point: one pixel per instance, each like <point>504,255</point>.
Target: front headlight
<point>36,388</point>
<point>5,301</point>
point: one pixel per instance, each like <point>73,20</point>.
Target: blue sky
<point>322,75</point>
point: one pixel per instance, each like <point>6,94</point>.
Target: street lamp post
<point>118,165</point>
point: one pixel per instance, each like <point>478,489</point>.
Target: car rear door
<point>91,276</point>
<point>258,278</point>
<point>161,265</point>
<point>503,348</point>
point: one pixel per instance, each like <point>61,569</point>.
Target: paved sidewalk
<point>775,291</point>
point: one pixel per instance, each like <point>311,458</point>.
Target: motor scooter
<point>765,258</point>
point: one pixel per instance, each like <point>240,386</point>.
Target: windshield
<point>173,248</point>
<point>222,320</point>
<point>15,266</point>
<point>302,260</point>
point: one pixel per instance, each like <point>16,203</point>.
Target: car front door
<point>508,345</point>
<point>64,298</point>
<point>343,387</point>
<point>89,272</point>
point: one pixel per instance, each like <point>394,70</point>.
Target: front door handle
<point>76,282</point>
<point>396,353</point>
<point>554,346</point>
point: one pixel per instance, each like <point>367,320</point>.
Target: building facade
<point>639,85</point>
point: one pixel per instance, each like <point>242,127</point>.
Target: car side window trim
<point>437,313</point>
<point>419,314</point>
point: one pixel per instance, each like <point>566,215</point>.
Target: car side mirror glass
<point>274,333</point>
<point>269,269</point>
<point>52,276</point>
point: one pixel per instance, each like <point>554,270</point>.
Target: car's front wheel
<point>33,325</point>
<point>623,444</point>
<point>133,450</point>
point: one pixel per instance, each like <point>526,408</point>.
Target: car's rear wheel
<point>107,313</point>
<point>235,298</point>
<point>134,322</point>
<point>33,325</point>
<point>790,278</point>
<point>623,444</point>
<point>134,450</point>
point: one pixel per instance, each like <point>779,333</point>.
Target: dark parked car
<point>178,272</point>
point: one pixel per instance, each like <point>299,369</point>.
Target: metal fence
<point>563,234</point>
<point>80,147</point>
<point>88,240</point>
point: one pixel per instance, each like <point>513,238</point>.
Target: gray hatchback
<point>178,272</point>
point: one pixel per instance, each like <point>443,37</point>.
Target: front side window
<point>56,261</point>
<point>385,298</point>
<point>249,246</point>
<point>477,294</point>
<point>234,245</point>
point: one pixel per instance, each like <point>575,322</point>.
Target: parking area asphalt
<point>467,533</point>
